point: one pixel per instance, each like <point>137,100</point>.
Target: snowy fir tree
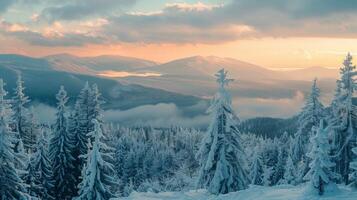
<point>30,178</point>
<point>279,167</point>
<point>221,156</point>
<point>21,115</point>
<point>310,116</point>
<point>320,172</point>
<point>342,119</point>
<point>95,104</point>
<point>98,172</point>
<point>60,151</point>
<point>256,172</point>
<point>353,166</point>
<point>42,166</point>
<point>11,185</point>
<point>79,126</point>
<point>290,172</point>
<point>267,173</point>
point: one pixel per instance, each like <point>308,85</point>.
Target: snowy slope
<point>282,192</point>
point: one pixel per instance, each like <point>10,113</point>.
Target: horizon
<point>180,58</point>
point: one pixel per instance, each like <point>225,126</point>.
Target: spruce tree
<point>21,116</point>
<point>42,166</point>
<point>353,166</point>
<point>79,126</point>
<point>256,173</point>
<point>98,172</point>
<point>60,151</point>
<point>221,156</point>
<point>11,185</point>
<point>267,173</point>
<point>320,172</point>
<point>342,121</point>
<point>290,172</point>
<point>279,167</point>
<point>33,187</point>
<point>310,116</point>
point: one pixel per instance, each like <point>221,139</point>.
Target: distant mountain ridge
<point>42,81</point>
<point>189,79</point>
<point>90,65</point>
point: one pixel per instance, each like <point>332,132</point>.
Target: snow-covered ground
<point>282,192</point>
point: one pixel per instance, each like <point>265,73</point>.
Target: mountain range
<point>130,82</point>
<point>43,78</point>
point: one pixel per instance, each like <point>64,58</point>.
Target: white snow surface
<point>281,192</point>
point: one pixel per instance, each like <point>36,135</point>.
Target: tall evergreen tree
<point>267,173</point>
<point>256,173</point>
<point>290,172</point>
<point>342,119</point>
<point>43,169</point>
<point>21,116</point>
<point>11,185</point>
<point>353,166</point>
<point>30,178</point>
<point>310,116</point>
<point>279,167</point>
<point>61,150</point>
<point>79,126</point>
<point>96,102</point>
<point>320,172</point>
<point>98,172</point>
<point>221,156</point>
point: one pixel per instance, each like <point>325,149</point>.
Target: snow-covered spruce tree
<point>60,151</point>
<point>353,166</point>
<point>320,172</point>
<point>310,116</point>
<point>42,165</point>
<point>221,156</point>
<point>11,185</point>
<point>289,174</point>
<point>98,172</point>
<point>256,173</point>
<point>79,126</point>
<point>279,167</point>
<point>342,118</point>
<point>30,178</point>
<point>21,116</point>
<point>95,103</point>
<point>267,173</point>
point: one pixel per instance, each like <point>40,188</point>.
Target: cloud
<point>176,23</point>
<point>44,113</point>
<point>160,115</point>
<point>210,23</point>
<point>269,107</point>
<point>193,23</point>
<point>80,9</point>
<point>4,4</point>
<point>54,35</point>
<point>167,115</point>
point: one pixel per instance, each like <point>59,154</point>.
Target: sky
<point>270,33</point>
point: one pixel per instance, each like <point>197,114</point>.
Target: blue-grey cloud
<point>4,4</point>
<point>238,19</point>
<point>36,38</point>
<point>79,9</point>
<point>200,23</point>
